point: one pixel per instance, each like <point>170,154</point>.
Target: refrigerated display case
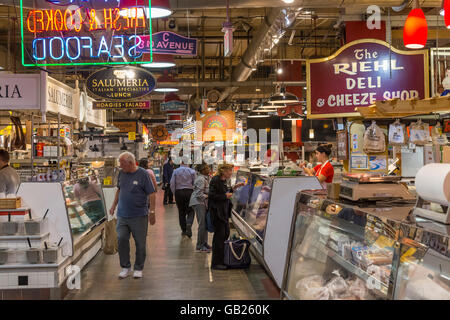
<point>344,251</point>
<point>262,212</point>
<point>71,216</point>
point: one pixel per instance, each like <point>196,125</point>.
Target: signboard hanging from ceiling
<point>80,32</point>
<point>121,105</point>
<point>361,73</point>
<point>166,42</point>
<point>121,83</point>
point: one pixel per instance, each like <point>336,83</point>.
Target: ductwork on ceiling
<point>276,20</point>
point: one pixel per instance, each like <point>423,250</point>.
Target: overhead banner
<point>121,105</point>
<point>60,98</point>
<point>80,32</point>
<point>214,126</point>
<point>361,73</point>
<point>174,105</point>
<point>121,83</point>
<point>166,42</point>
<point>20,91</point>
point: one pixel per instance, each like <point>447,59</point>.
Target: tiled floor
<point>173,271</point>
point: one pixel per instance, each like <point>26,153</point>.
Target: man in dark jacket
<point>167,175</point>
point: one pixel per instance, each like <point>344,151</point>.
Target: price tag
<point>107,181</point>
<point>131,136</point>
<point>16,165</point>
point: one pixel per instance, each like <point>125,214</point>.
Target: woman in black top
<point>220,208</point>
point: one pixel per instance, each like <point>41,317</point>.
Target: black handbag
<point>237,254</point>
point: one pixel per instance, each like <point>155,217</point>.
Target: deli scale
<point>372,187</point>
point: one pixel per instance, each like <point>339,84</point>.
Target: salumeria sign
<point>361,73</point>
<point>79,35</point>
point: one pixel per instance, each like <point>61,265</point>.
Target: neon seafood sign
<point>76,33</point>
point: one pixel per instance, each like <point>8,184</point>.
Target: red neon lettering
<point>65,18</point>
<point>40,20</point>
<point>49,14</point>
<point>107,15</point>
<point>34,21</point>
<point>117,15</point>
<point>80,22</point>
<point>92,21</point>
<point>61,20</point>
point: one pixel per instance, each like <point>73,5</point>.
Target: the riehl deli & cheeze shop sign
<point>361,73</point>
<point>73,32</point>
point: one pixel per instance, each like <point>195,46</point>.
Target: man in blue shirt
<point>182,185</point>
<point>132,200</point>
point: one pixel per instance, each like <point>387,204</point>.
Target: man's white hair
<point>128,156</point>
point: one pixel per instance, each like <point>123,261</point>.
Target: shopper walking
<point>132,200</point>
<point>182,185</point>
<point>167,176</point>
<point>219,206</point>
<point>198,203</point>
<point>9,179</point>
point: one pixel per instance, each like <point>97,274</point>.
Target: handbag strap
<point>234,253</point>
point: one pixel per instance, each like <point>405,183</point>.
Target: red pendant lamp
<point>446,8</point>
<point>159,8</point>
<point>415,31</point>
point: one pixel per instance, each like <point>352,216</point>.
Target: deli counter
<point>68,221</point>
<point>263,208</point>
<point>341,250</point>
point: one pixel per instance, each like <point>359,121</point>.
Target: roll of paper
<point>433,183</point>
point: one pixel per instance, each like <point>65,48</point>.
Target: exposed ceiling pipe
<point>244,69</point>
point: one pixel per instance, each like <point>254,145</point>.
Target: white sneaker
<point>124,273</point>
<point>137,274</point>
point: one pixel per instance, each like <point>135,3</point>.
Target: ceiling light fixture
<point>288,1</point>
<point>159,8</point>
<point>415,31</point>
<point>166,90</point>
<point>293,116</point>
<point>446,9</point>
<point>160,61</point>
<point>283,97</point>
<point>258,115</point>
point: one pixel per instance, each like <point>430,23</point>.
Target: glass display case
<point>85,204</point>
<point>251,206</point>
<point>340,251</point>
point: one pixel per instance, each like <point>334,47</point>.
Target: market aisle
<point>173,270</point>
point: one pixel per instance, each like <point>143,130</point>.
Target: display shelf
<point>25,237</point>
<point>28,266</point>
<point>350,267</point>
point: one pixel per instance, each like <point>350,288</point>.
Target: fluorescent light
<point>159,65</point>
<point>288,1</point>
<point>156,12</point>
<point>311,133</point>
<point>166,90</point>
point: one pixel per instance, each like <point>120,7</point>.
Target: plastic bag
<point>311,288</point>
<point>374,139</point>
<point>397,133</point>
<point>437,136</point>
<point>419,133</point>
<point>110,247</point>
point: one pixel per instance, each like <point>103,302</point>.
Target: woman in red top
<point>325,171</point>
